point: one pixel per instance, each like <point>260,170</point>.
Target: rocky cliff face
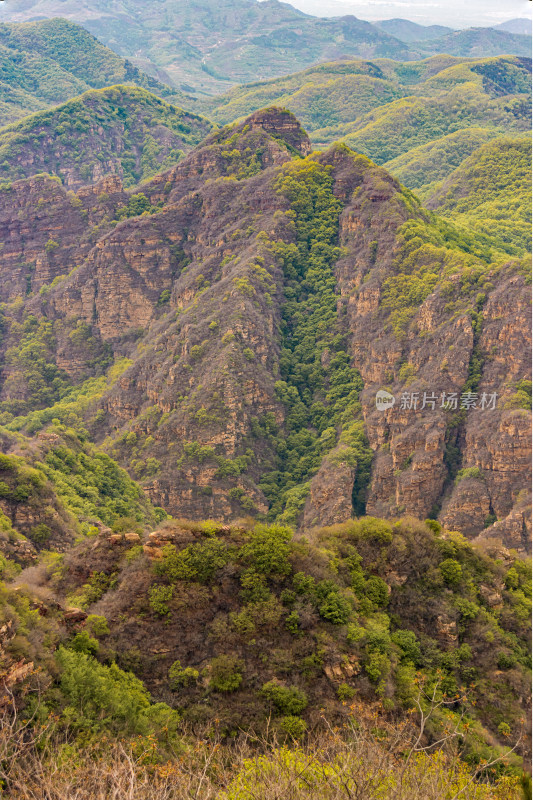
<point>196,293</point>
<point>421,452</point>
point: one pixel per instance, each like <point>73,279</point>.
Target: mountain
<point>482,42</point>
<point>490,192</point>
<point>411,32</point>
<point>420,119</point>
<point>264,296</point>
<point>48,62</point>
<point>211,46</point>
<point>520,26</point>
<point>120,130</point>
<point>265,463</point>
<point>205,47</point>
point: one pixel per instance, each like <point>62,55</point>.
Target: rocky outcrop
<point>431,357</point>
<point>330,494</point>
<point>283,125</point>
<point>191,292</point>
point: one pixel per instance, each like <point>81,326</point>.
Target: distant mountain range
<point>206,46</point>
<point>407,31</point>
<point>522,26</point>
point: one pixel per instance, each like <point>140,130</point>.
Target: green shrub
<point>345,692</point>
<point>197,562</point>
<point>293,727</point>
<point>268,550</point>
<point>287,700</point>
<point>468,472</point>
<point>504,729</point>
<point>409,645</point>
<point>335,608</point>
<point>506,660</point>
<point>451,571</point>
<point>226,673</point>
<point>292,622</point>
<point>50,246</point>
<point>377,591</point>
<point>105,697</point>
<point>181,676</point>
<point>377,665</point>
<point>97,625</point>
<point>160,596</point>
<point>433,525</point>
<point>40,533</point>
<point>82,642</point>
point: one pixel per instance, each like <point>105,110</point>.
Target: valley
<point>265,405</point>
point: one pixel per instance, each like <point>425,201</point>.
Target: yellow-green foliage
<point>317,397</point>
<point>46,62</point>
<point>490,193</point>
<point>69,136</point>
<point>422,167</point>
<point>305,775</point>
<point>428,251</point>
<point>423,118</point>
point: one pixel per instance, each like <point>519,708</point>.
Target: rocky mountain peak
<point>283,124</point>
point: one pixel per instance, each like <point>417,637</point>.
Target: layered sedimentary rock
<point>192,293</point>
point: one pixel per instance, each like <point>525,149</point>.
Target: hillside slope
<point>420,119</point>
<point>490,193</point>
<point>47,62</point>
<point>204,631</point>
<point>207,46</point>
<point>264,296</point>
<point>120,130</point>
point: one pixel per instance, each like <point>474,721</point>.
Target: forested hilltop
<point>48,62</point>
<point>420,120</point>
<point>120,130</point>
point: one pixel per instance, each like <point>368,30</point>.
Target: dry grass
<point>366,759</point>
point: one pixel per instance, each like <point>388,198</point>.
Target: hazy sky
<point>455,13</point>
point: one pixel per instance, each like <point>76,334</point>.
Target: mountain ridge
<point>48,62</point>
<point>220,230</point>
<point>260,39</point>
<point>391,110</point>
<point>119,130</point>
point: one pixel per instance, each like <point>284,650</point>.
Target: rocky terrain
<point>265,417</point>
<point>203,278</point>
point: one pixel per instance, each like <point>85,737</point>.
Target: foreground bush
<point>367,759</point>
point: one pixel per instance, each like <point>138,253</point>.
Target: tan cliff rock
<point>192,296</point>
